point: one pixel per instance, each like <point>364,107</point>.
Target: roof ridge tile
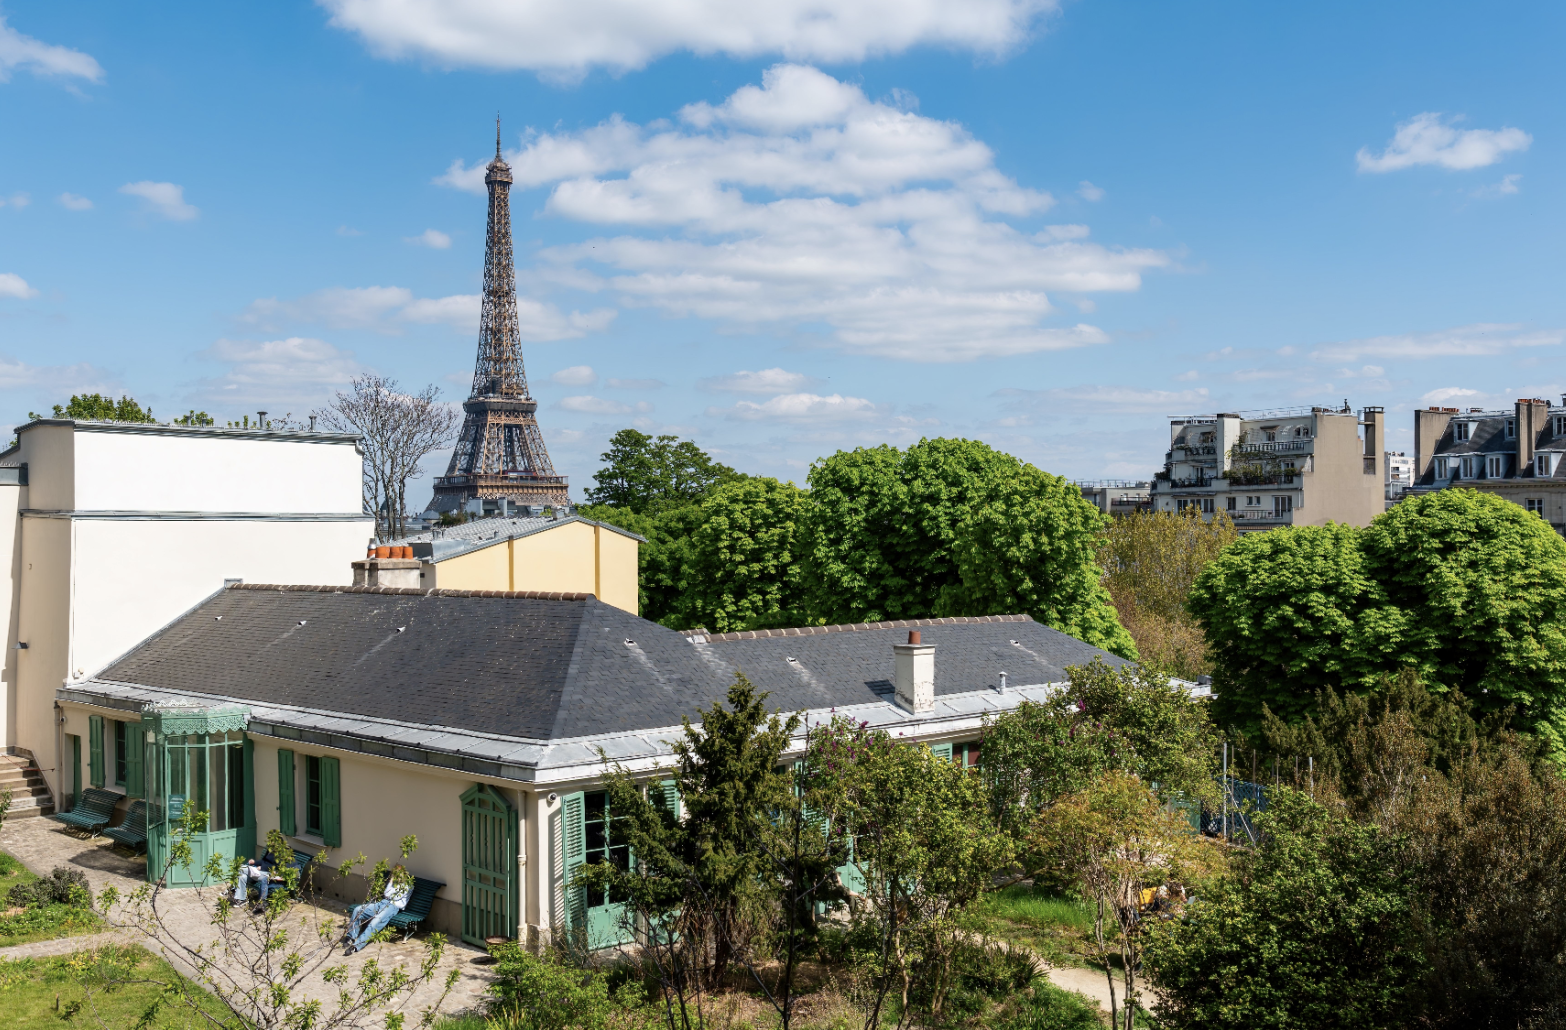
<point>532,595</point>
<point>853,627</point>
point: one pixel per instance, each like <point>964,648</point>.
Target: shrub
<point>61,887</point>
<point>533,992</point>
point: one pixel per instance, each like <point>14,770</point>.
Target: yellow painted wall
<point>573,557</point>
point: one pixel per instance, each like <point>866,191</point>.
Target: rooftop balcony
<point>1304,446</point>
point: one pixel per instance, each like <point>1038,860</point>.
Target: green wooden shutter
<point>573,828</point>
<point>331,804</point>
<point>133,758</point>
<point>95,743</point>
<point>285,792</point>
<point>942,751</point>
<point>665,794</point>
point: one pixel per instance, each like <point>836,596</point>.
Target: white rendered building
<point>115,529</point>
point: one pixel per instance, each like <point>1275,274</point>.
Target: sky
<point>791,228</point>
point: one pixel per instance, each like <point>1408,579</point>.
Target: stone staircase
<point>29,794</point>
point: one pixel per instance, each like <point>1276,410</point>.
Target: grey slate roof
<point>544,668</point>
<point>1488,436</point>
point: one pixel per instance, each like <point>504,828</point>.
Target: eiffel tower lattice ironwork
<point>500,453</point>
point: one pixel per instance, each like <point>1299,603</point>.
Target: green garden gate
<point>489,865</point>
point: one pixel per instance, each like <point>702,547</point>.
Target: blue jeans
<point>248,875</point>
<point>374,915</point>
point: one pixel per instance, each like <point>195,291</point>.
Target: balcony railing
<point>1259,516</point>
<point>1275,447</point>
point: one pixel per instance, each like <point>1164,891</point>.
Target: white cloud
<point>24,52</point>
<point>1110,397</point>
<point>13,285</point>
<point>1186,377</point>
<point>636,384</point>
<point>1477,340</point>
<point>162,198</point>
<point>576,375</point>
<point>1427,140</point>
<point>1505,188</point>
<point>1087,191</point>
<point>1363,372</point>
<point>565,38</point>
<point>599,406</point>
<point>71,202</point>
<point>16,200</point>
<point>768,380</point>
<point>345,230</point>
<point>432,238</point>
<point>802,205</point>
<point>388,309</point>
<point>56,379</point>
<point>297,370</point>
<point>800,407</point>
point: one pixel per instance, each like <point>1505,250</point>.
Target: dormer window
<point>1543,465</point>
<point>1443,468</point>
<point>1511,428</point>
<point>1460,430</point>
<point>1496,466</point>
<point>1468,468</point>
<point>1560,425</point>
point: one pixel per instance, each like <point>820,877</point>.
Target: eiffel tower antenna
<point>501,452</point>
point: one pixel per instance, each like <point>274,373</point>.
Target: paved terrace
<point>42,844</point>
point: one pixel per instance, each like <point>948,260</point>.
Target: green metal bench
<point>92,812</point>
<point>418,907</point>
<point>132,833</point>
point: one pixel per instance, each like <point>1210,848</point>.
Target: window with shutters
<point>313,794</point>
<point>604,841</point>
<point>121,749</point>
<point>323,800</point>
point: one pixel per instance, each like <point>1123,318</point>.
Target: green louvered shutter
<point>665,794</point>
<point>573,828</point>
<point>133,756</point>
<point>942,751</point>
<point>95,744</point>
<point>285,792</point>
<point>331,803</point>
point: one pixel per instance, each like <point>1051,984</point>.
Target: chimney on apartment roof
<point>1531,418</point>
<point>914,674</point>
<point>393,566</point>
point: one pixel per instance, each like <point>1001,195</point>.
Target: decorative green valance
<point>176,720</point>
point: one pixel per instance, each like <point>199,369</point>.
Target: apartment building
<point>1399,475</point>
<point>1515,453</point>
<point>1303,466</point>
<point>1118,496</point>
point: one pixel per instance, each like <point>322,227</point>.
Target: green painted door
<point>489,865</point>
<point>604,841</point>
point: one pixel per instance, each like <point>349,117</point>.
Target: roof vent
<point>629,642</point>
<point>301,622</point>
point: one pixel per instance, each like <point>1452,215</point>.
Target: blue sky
<point>791,228</point>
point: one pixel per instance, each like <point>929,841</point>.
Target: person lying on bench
<point>258,873</point>
<point>374,915</point>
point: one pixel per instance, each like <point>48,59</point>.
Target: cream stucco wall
<point>13,497</point>
<point>43,623</point>
<point>573,557</point>
<point>1338,489</point>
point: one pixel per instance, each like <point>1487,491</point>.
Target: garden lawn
<point>104,987</point>
<point>26,925</point>
<point>1053,926</point>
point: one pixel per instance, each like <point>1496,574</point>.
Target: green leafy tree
<point>741,569</point>
<point>195,418</point>
<point>1151,559</point>
<point>952,527</point>
<point>922,842</point>
<point>1313,928</point>
<point>643,473</point>
<point>1481,586</point>
<point>1116,842</point>
<point>99,408</point>
<point>1288,612</point>
<point>545,992</point>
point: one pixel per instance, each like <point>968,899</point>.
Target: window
<point>606,842</point>
<point>1468,468</point>
<point>323,807</point>
<point>1271,435</point>
<point>1207,505</point>
<point>1282,504</point>
<point>1233,502</point>
<point>1253,502</point>
<point>1209,438</point>
<point>1302,432</point>
<point>1442,469</point>
<point>1496,466</point>
<point>121,773</point>
<point>1541,464</point>
<point>1511,429</point>
<point>1536,505</point>
<point>966,755</point>
<point>1560,425</point>
<point>1460,430</point>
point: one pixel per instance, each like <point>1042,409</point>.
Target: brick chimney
<point>915,674</point>
<point>1532,414</point>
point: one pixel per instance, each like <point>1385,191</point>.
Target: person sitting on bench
<point>374,915</point>
<point>258,873</point>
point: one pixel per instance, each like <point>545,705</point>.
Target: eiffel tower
<point>500,453</point>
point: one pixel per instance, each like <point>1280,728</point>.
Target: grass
<point>111,986</point>
<point>38,924</point>
<point>1030,907</point>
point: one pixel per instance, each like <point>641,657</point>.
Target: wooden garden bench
<point>418,907</point>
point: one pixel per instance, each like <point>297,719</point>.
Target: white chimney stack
<point>915,674</point>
